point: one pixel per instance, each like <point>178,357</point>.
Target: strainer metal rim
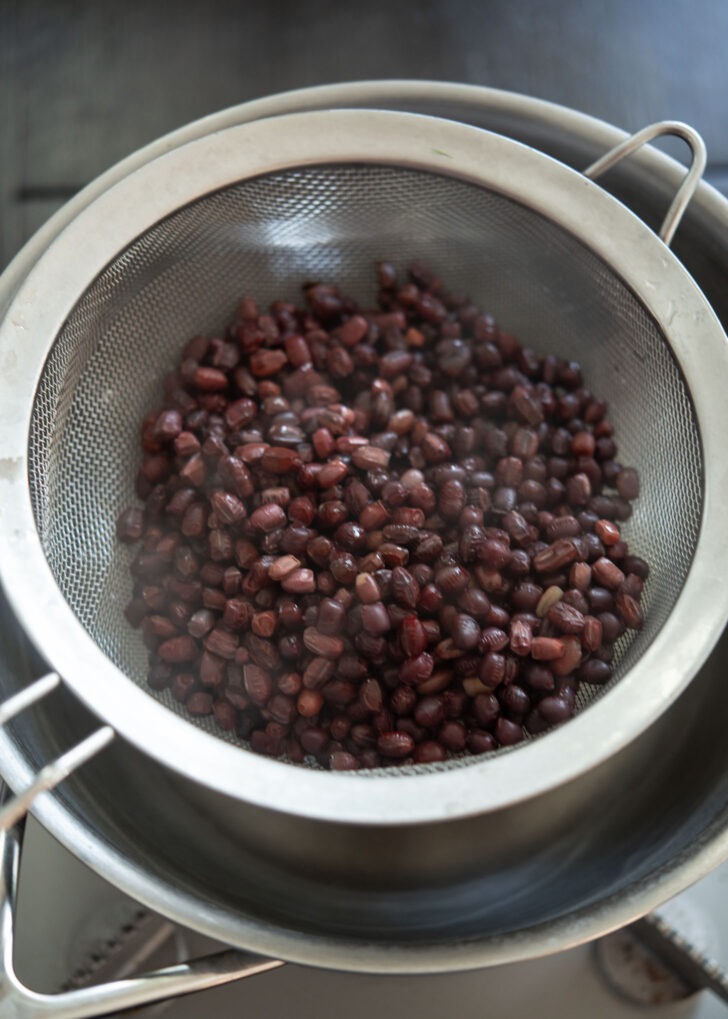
<point>579,206</point>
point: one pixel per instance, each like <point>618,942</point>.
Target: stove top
<point>74,929</point>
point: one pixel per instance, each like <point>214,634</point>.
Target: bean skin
<point>628,484</point>
<point>429,752</point>
<point>595,672</point>
<point>395,744</point>
<point>178,650</point>
<point>607,573</point>
<point>465,632</point>
<point>546,648</point>
<point>415,671</point>
<point>629,610</point>
<point>554,710</point>
<point>429,712</point>
<point>507,733</point>
<point>412,637</point>
<point>592,634</point>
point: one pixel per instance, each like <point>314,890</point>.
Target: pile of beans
<point>379,537</point>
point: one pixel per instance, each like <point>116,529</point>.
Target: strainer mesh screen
<point>266,236</point>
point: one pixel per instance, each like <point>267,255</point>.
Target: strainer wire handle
<point>690,182</point>
<point>20,1002</point>
<point>56,771</point>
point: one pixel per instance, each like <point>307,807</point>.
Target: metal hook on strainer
<point>693,177</point>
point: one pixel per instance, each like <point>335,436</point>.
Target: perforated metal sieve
<point>257,209</point>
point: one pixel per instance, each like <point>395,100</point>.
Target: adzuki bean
<point>405,506</point>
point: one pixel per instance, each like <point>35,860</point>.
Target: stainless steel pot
<point>530,878</point>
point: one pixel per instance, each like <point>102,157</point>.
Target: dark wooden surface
<point>84,82</point>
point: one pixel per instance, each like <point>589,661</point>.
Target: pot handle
<point>19,1002</point>
<point>690,182</point>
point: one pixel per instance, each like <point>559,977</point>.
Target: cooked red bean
<point>369,458</point>
<point>562,527</point>
<point>555,710</point>
<point>264,363</point>
<point>493,669</point>
<point>595,671</point>
<point>555,556</point>
<point>412,637</point>
<point>340,760</point>
<point>367,589</point>
<point>212,669</point>
<point>225,714</point>
<point>395,744</point>
<point>453,734</point>
<point>406,506</point>
<point>628,483</point>
<point>331,616</point>
<point>258,683</point>
<point>607,532</point>
<point>451,580</point>
<point>178,650</point>
<point>322,645</point>
<point>633,564</point>
<point>210,379</point>
<point>405,589</point>
<point>592,634</point>
<point>351,536</point>
<point>280,460</point>
<point>186,443</point>
<point>521,637</point>
<point>268,518</point>
<point>229,509</point>
<point>607,573</point>
<point>565,617</point>
<point>130,525</point>
<point>430,752</point>
<point>375,618</point>
<point>429,712</point>
<point>628,608</point>
<point>465,632</point>
<point>633,585</point>
<point>283,566</point>
<point>580,576</point>
<point>612,628</point>
<point>570,658</point>
<point>299,582</point>
<point>314,740</point>
<point>318,672</point>
<point>546,648</point>
<point>201,622</point>
<point>221,643</point>
<point>493,638</point>
<point>539,677</point>
<point>515,700</point>
<point>508,733</point>
<point>414,671</point>
<point>199,703</point>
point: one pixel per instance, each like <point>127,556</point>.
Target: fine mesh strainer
<point>257,209</point>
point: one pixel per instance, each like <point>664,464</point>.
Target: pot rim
<point>370,957</point>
